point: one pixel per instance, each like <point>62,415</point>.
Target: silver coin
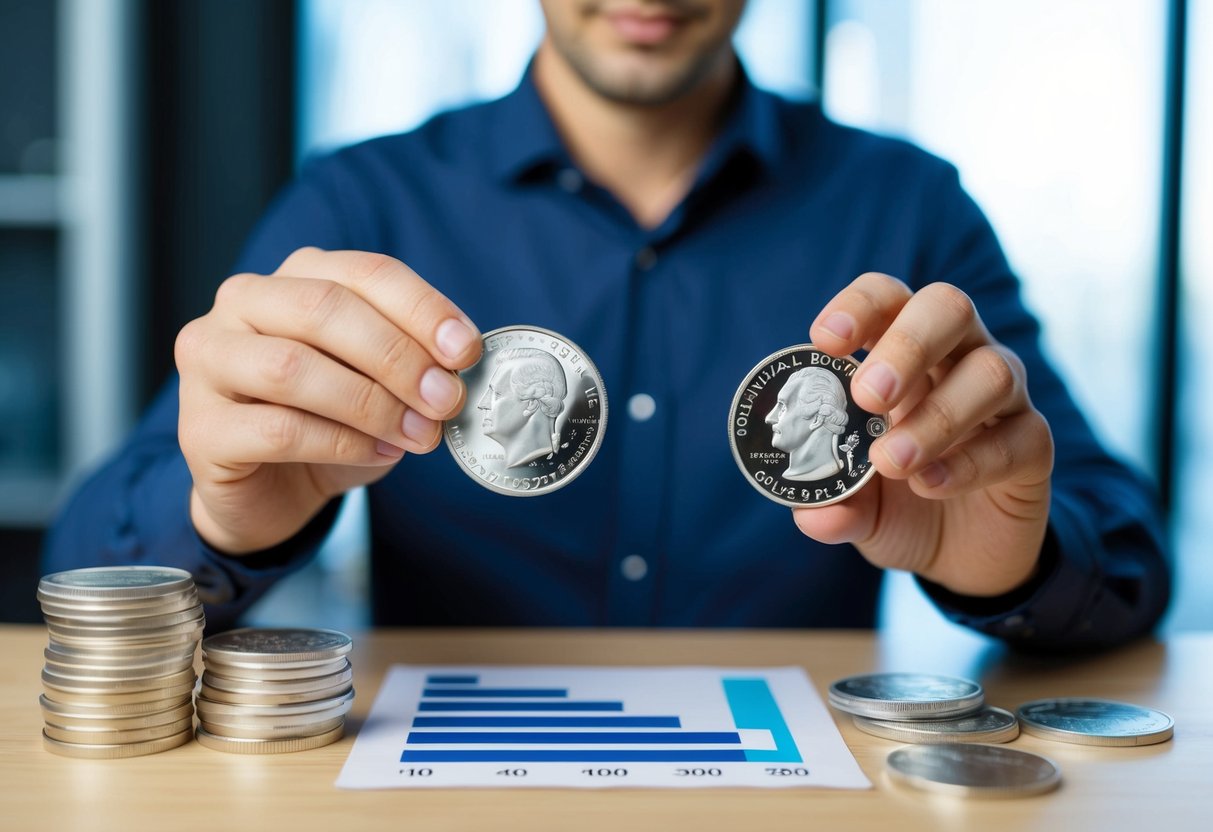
<point>987,725</point>
<point>312,683</point>
<point>282,746</point>
<point>275,645</point>
<point>535,415</point>
<point>270,731</point>
<point>117,723</point>
<point>283,722</point>
<point>112,699</point>
<point>968,770</point>
<point>78,675</point>
<point>266,672</point>
<point>228,712</point>
<point>237,698</point>
<point>104,710</point>
<point>137,607</point>
<point>117,750</point>
<point>108,736</point>
<point>115,582</point>
<point>1095,722</point>
<point>900,696</point>
<point>795,433</point>
<point>110,686</point>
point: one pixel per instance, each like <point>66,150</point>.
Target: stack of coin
<point>119,670</point>
<point>268,691</point>
<point>922,708</point>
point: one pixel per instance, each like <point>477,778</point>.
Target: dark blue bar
<point>521,693</point>
<point>544,755</point>
<point>573,737</point>
<point>520,706</point>
<point>547,722</point>
<point>452,680</point>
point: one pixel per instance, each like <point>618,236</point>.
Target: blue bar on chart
<point>749,702</point>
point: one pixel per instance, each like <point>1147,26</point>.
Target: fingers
<point>411,304</point>
<point>955,395</point>
<point>255,433</point>
<point>907,334</point>
<point>288,372</point>
<point>1018,450</point>
<point>331,318</point>
<point>986,383</point>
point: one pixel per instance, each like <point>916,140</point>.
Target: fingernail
<point>880,381</point>
<point>439,389</point>
<point>839,325</point>
<point>418,428</point>
<point>454,337</point>
<point>388,449</point>
<point>900,450</point>
<point>934,475</point>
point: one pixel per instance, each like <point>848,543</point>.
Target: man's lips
<point>643,29</point>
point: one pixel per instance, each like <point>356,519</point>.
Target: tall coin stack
<point>269,691</point>
<point>119,673</point>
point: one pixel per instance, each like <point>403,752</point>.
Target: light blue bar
<point>755,708</point>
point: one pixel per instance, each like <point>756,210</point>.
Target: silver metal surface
<point>276,645</point>
<point>969,770</point>
<point>1095,722</point>
<point>987,725</point>
<point>901,696</point>
<point>115,583</point>
<point>535,414</point>
<point>796,434</point>
<point>258,746</point>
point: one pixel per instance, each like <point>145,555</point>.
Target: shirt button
<point>641,407</point>
<point>646,258</point>
<point>570,180</point>
<point>634,567</point>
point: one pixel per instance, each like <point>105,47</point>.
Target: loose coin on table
<point>795,433</point>
<point>535,413</point>
<point>904,696</point>
<point>970,770</point>
<point>1095,722</point>
<point>987,725</point>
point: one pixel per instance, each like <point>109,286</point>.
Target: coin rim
<point>284,746</point>
<point>925,784</point>
<point>860,483</point>
<point>1050,732</point>
<point>915,730</point>
<point>906,709</point>
<point>589,457</point>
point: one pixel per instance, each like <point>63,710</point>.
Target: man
<point>524,398</point>
<point>809,414</point>
<point>638,195</point>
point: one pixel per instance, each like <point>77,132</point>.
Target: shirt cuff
<point>1047,612</point>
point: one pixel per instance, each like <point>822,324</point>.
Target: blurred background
<point>141,139</point>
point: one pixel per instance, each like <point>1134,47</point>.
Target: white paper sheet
<point>597,727</point>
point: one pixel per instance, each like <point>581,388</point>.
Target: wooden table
<point>194,788</point>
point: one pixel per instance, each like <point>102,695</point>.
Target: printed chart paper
<point>596,727</point>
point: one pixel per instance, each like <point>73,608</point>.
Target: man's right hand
<point>302,385</point>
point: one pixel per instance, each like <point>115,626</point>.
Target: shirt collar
<point>526,142</point>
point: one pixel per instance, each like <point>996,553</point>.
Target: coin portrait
<point>535,415</point>
<point>794,431</point>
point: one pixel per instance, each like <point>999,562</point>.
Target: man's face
<point>504,415</point>
<point>789,428</point>
<point>642,51</point>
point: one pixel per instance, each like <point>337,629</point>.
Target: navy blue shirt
<point>486,204</point>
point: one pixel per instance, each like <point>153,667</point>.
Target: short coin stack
<point>922,708</point>
<point>119,672</point>
<point>269,691</point>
